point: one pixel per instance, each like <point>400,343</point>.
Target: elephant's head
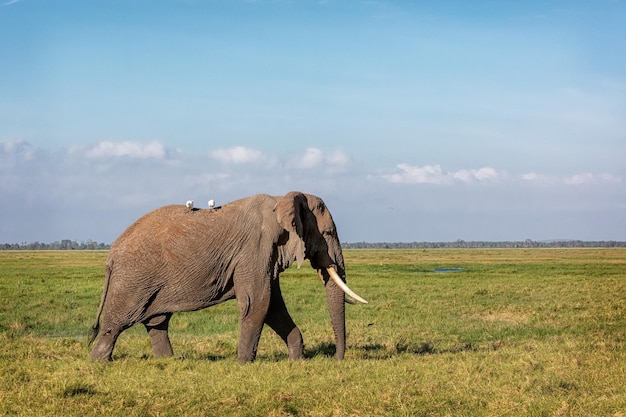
<point>313,236</point>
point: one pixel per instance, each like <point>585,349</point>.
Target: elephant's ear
<point>289,211</point>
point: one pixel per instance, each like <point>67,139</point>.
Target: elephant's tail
<point>93,333</point>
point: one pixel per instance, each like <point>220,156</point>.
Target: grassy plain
<point>516,332</point>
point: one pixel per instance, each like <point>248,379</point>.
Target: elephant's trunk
<point>336,306</point>
<point>336,291</point>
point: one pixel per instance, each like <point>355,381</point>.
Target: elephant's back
<point>179,229</point>
<point>150,224</point>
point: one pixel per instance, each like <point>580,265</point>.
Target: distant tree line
<point>67,244</point>
<point>484,245</point>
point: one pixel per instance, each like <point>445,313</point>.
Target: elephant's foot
<point>248,342</point>
<point>99,356</point>
<point>246,357</point>
<point>157,330</point>
<point>161,345</point>
<point>295,345</point>
<point>103,349</point>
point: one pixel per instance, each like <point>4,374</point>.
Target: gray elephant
<point>177,258</point>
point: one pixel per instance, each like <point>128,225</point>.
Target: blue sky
<point>415,121</point>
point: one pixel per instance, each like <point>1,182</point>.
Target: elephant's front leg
<point>253,305</point>
<point>280,321</point>
<point>157,330</point>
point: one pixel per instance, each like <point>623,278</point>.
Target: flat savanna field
<point>516,332</point>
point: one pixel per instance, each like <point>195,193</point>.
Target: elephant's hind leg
<point>157,330</point>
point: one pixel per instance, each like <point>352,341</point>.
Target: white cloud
<point>314,157</point>
<point>434,174</point>
<point>583,178</point>
<point>18,160</point>
<point>578,179</point>
<point>311,158</point>
<point>590,178</point>
<point>531,176</point>
<point>18,147</point>
<point>108,149</point>
<point>237,155</point>
<point>428,174</point>
<point>338,159</point>
<point>487,174</point>
<point>12,145</point>
<point>484,174</point>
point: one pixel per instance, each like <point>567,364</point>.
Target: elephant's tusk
<point>349,301</point>
<point>333,274</point>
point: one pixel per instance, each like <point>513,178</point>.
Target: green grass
<point>517,332</point>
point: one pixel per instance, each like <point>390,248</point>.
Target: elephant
<point>179,258</point>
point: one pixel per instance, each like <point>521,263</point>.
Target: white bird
<point>211,204</point>
<point>189,204</point>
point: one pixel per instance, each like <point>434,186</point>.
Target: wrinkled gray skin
<point>180,259</point>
